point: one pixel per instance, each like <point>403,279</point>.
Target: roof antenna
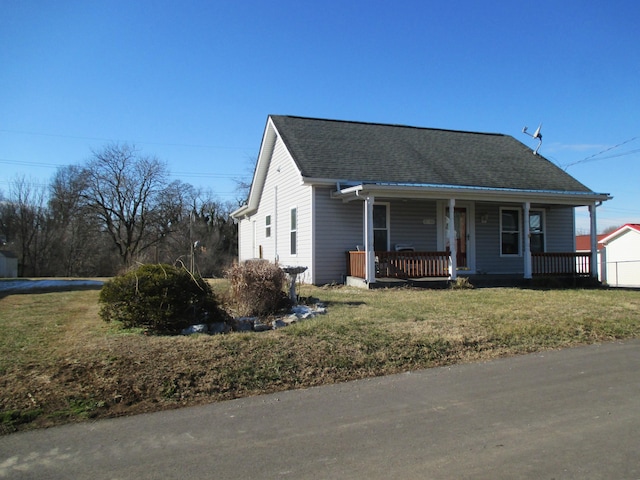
<point>537,135</point>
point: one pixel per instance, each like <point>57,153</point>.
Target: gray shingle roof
<point>369,152</point>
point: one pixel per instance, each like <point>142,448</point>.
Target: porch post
<point>594,241</point>
<point>370,267</point>
<point>452,239</point>
<point>527,241</point>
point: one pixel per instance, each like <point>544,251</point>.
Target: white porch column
<point>453,247</point>
<point>527,241</point>
<point>368,241</point>
<point>594,241</point>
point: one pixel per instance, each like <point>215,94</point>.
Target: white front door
<point>464,227</point>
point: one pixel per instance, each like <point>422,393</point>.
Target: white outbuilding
<point>622,256</point>
<point>8,264</point>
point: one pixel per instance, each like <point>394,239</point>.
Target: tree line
<point>117,210</point>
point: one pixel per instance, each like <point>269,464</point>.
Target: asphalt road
<point>571,414</point>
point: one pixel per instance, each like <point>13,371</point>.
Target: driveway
<point>570,414</point>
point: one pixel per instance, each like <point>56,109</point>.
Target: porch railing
<point>561,264</point>
<point>357,264</point>
<point>436,264</point>
<point>401,264</point>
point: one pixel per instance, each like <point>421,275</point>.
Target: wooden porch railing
<point>401,264</point>
<point>436,264</point>
<point>357,264</point>
<point>561,264</point>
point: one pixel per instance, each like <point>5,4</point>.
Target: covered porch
<point>476,232</point>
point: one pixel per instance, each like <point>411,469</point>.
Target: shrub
<point>159,298</point>
<point>256,288</point>
<point>461,283</point>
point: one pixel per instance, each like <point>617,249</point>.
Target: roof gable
<point>369,152</point>
<point>629,227</point>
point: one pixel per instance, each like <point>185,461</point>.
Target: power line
<point>135,142</point>
<point>172,174</point>
<point>591,158</point>
<point>30,164</point>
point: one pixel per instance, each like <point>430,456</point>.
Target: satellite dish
<point>537,135</point>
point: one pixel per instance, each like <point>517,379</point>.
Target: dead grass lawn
<point>59,362</point>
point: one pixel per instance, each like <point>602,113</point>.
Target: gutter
<point>462,192</point>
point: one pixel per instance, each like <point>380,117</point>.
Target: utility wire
<point>171,173</point>
<point>134,142</point>
<point>591,158</point>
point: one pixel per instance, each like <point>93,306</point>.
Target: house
<point>8,264</point>
<point>366,200</point>
<point>622,256</point>
<point>583,242</point>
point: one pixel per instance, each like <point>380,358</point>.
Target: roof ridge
<point>398,125</point>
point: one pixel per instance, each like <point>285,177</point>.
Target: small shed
<point>622,256</point>
<point>8,264</point>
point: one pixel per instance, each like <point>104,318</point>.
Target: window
<point>536,231</point>
<point>267,225</point>
<point>510,232</point>
<point>294,231</point>
<point>380,228</point>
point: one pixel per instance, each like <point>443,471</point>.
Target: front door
<point>462,237</point>
<point>464,234</point>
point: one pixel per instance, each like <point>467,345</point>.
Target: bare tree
<point>76,236</point>
<point>123,189</point>
<point>243,183</point>
<point>24,224</point>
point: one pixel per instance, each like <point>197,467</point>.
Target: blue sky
<point>192,82</point>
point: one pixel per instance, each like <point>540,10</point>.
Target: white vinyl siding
<point>414,223</point>
<point>339,228</point>
<point>623,259</point>
<point>283,191</point>
<point>559,229</point>
<point>282,188</point>
<point>245,240</point>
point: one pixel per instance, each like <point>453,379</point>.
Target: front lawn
<point>59,362</point>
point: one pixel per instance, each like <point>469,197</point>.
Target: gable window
<point>536,231</point>
<point>510,231</point>
<point>267,226</point>
<point>380,227</point>
<point>294,231</point>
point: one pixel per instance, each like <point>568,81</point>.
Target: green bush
<point>257,288</point>
<point>159,298</point>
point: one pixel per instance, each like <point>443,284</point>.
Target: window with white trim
<point>381,227</point>
<point>294,231</point>
<point>509,231</point>
<point>267,226</point>
<point>536,231</point>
